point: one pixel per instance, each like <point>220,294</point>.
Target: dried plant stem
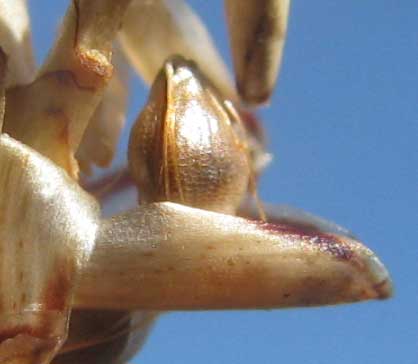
<point>101,137</point>
<point>52,113</point>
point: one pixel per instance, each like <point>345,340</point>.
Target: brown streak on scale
<point>77,22</point>
<point>326,242</point>
<point>252,124</point>
<point>59,115</point>
<point>58,288</point>
<point>63,137</point>
<point>3,65</point>
<point>23,298</point>
<point>302,226</point>
<point>262,31</point>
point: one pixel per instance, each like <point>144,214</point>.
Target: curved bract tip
<point>175,257</point>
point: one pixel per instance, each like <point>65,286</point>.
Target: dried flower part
<point>120,179</point>
<point>52,113</point>
<point>187,145</point>
<point>257,30</point>
<point>176,257</point>
<point>101,138</point>
<point>47,230</point>
<point>155,30</point>
<point>260,157</point>
<point>15,39</point>
<point>98,337</point>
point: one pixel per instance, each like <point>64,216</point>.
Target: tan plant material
<point>310,261</point>
<point>15,35</point>
<point>61,100</point>
<point>47,230</point>
<point>257,31</point>
<point>155,30</point>
<point>239,264</point>
<point>101,138</point>
<point>79,288</point>
<point>187,145</point>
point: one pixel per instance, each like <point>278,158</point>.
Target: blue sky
<point>343,126</point>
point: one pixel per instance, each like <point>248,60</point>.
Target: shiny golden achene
<point>187,145</point>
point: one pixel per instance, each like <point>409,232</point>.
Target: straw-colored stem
<point>51,113</point>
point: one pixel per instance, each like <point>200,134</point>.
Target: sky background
<point>343,127</point>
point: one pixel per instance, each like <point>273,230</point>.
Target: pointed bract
<point>152,31</point>
<point>175,257</point>
<point>257,30</point>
